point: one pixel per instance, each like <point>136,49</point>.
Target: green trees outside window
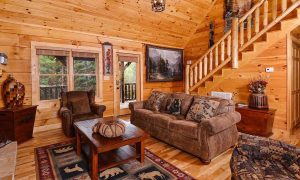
<point>54,75</point>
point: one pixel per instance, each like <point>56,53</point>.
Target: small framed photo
<point>107,50</point>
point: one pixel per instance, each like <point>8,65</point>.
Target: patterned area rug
<point>59,161</point>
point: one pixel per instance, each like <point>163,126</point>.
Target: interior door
<point>127,82</point>
<point>295,84</point>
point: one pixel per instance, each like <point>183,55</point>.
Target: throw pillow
<point>174,106</point>
<point>81,106</point>
<point>155,100</point>
<point>202,109</point>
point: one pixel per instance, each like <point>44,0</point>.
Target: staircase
<point>262,26</point>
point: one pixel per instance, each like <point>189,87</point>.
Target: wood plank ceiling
<point>130,19</point>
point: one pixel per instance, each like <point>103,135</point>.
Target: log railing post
<point>235,42</point>
<point>187,77</point>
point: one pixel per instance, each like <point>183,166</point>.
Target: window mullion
<point>71,72</point>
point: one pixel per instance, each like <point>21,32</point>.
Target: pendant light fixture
<point>158,5</point>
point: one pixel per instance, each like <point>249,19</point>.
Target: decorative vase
<point>13,93</point>
<point>259,101</point>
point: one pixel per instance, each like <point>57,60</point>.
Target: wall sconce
<point>3,61</point>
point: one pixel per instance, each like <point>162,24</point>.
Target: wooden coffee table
<point>109,152</point>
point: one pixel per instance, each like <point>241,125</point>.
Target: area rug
<point>59,161</point>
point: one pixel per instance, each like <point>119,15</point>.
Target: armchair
<point>78,106</point>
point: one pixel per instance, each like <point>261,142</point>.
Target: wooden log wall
<point>15,41</point>
<point>274,56</point>
<point>198,43</point>
<point>237,81</point>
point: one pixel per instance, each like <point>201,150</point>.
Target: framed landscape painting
<point>164,64</point>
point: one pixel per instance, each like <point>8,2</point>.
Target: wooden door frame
<point>139,80</point>
<point>290,40</point>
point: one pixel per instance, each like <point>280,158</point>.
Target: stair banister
<point>255,22</point>
<point>235,43</point>
<point>187,76</point>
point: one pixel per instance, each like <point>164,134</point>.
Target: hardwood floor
<point>217,169</point>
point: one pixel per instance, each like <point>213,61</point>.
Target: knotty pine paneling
<point>129,19</point>
<point>15,41</point>
<point>237,81</point>
<point>198,42</point>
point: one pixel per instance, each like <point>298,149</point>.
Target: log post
<point>235,42</point>
<point>187,77</point>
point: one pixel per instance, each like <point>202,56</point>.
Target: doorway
<point>127,82</point>
<point>294,80</point>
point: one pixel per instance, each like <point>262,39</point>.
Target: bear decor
<point>13,92</point>
<point>109,128</point>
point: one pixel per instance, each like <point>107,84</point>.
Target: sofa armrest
<point>98,109</point>
<point>136,105</point>
<point>221,122</point>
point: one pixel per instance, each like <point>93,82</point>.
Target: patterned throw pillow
<point>174,106</point>
<point>202,109</point>
<point>155,100</point>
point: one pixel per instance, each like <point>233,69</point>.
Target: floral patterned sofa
<point>258,158</point>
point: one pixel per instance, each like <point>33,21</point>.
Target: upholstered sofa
<point>258,158</point>
<point>205,139</point>
<point>78,106</point>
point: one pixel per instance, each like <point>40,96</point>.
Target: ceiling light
<point>158,5</point>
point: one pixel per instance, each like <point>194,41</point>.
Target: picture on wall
<point>107,58</point>
<point>164,64</point>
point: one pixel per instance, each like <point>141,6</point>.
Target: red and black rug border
<point>45,170</point>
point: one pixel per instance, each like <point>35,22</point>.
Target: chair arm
<point>221,122</point>
<point>136,105</point>
<point>64,112</point>
<point>98,109</point>
<point>67,121</point>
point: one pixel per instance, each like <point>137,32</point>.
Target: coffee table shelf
<point>114,157</point>
<point>104,153</point>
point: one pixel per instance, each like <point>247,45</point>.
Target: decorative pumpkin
<point>13,92</point>
<point>109,128</point>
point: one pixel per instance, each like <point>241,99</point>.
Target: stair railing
<point>243,33</point>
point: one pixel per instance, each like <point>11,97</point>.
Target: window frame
<point>96,74</point>
<point>35,69</point>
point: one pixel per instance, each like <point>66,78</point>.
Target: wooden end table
<point>257,122</point>
<point>119,149</point>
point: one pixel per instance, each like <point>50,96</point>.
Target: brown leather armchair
<point>78,106</point>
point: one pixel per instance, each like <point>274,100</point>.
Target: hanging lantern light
<point>158,5</point>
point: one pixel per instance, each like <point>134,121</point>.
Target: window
<point>53,76</point>
<point>64,71</point>
<point>84,68</point>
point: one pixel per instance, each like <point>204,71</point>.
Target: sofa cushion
<point>174,106</point>
<point>202,109</point>
<point>142,119</point>
<point>165,101</point>
<point>154,101</point>
<point>161,120</point>
<point>82,117</point>
<point>176,117</point>
<point>185,103</point>
<point>225,105</point>
<point>81,106</point>
<point>185,128</point>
